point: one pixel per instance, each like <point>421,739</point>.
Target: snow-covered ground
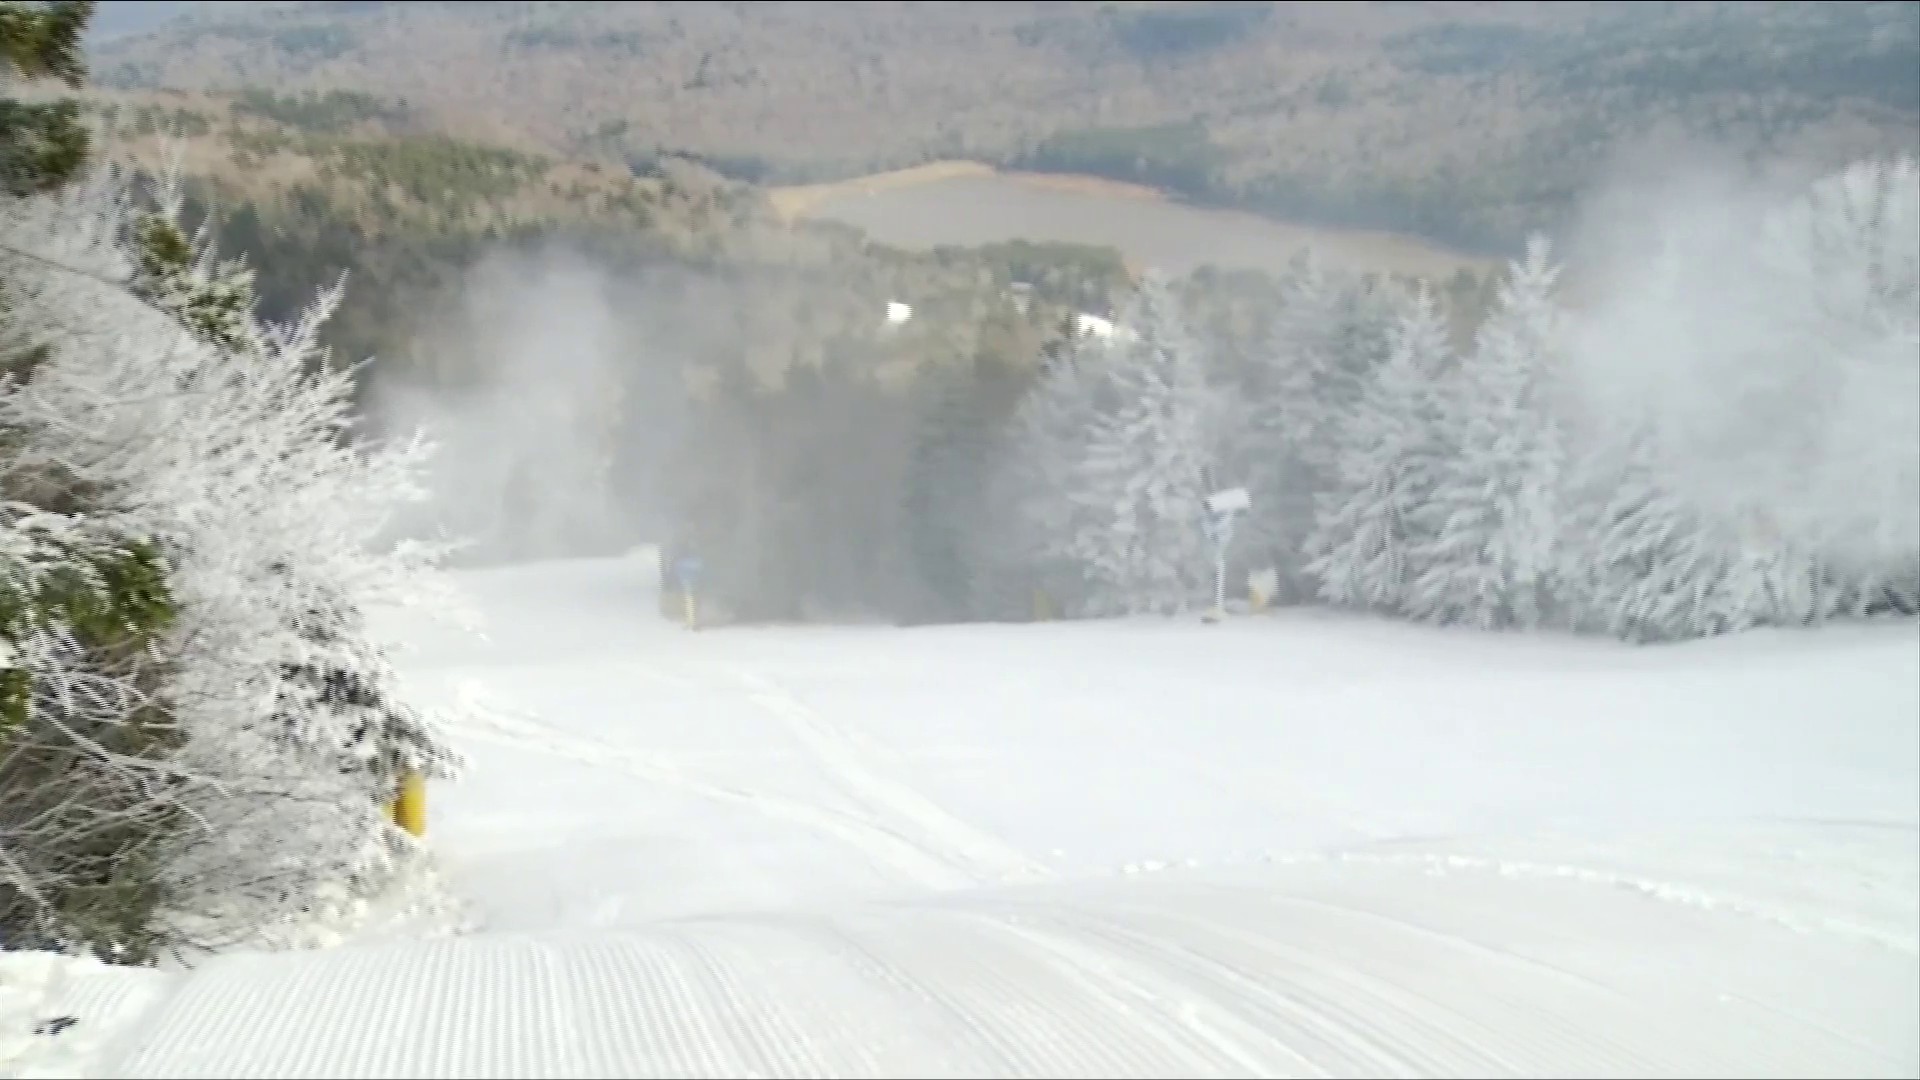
<point>1304,845</point>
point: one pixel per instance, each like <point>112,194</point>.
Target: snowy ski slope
<point>1310,845</point>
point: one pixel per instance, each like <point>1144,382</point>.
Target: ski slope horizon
<point>1309,843</point>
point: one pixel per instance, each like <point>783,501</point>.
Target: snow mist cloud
<point>527,384</point>
<point>1767,332</point>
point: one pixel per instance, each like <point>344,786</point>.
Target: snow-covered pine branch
<point>85,750</point>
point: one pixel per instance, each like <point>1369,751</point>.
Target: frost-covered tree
<point>1841,268</point>
<point>1140,485</point>
<point>1330,331</point>
<point>1776,345</point>
<point>1491,525</point>
<point>1034,477</point>
<point>1388,460</point>
<point>89,793</point>
<point>229,442</point>
<point>1639,562</point>
<point>90,796</point>
<point>344,682</point>
<point>1767,354</point>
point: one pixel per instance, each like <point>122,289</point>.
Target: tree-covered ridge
<point>785,320</point>
<point>772,329</point>
<point>315,185</point>
<point>1466,123</point>
<point>366,154</point>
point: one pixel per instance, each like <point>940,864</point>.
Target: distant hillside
<point>312,185</point>
<point>754,386</point>
<point>1466,122</point>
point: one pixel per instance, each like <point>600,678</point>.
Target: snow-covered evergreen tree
<point>1388,457</point>
<point>86,751</point>
<point>1638,562</point>
<point>91,791</point>
<point>1769,359</point>
<point>1492,522</point>
<point>1779,581</point>
<point>1642,560</point>
<point>1330,332</point>
<point>229,442</point>
<point>1034,477</point>
<point>1777,346</point>
<point>1843,474</point>
<point>354,688</point>
<point>1141,483</point>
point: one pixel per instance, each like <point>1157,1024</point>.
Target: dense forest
<point>741,393</point>
<point>309,186</point>
<point>1692,451</point>
<point>1466,123</point>
<point>722,318</point>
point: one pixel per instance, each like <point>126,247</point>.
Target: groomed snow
<point>1304,845</point>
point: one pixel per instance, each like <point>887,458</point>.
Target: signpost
<point>1223,509</point>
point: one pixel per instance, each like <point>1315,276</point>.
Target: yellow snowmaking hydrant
<point>1262,586</point>
<point>409,807</point>
<point>687,571</point>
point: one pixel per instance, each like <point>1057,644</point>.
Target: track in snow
<point>895,827</point>
<point>848,761</point>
